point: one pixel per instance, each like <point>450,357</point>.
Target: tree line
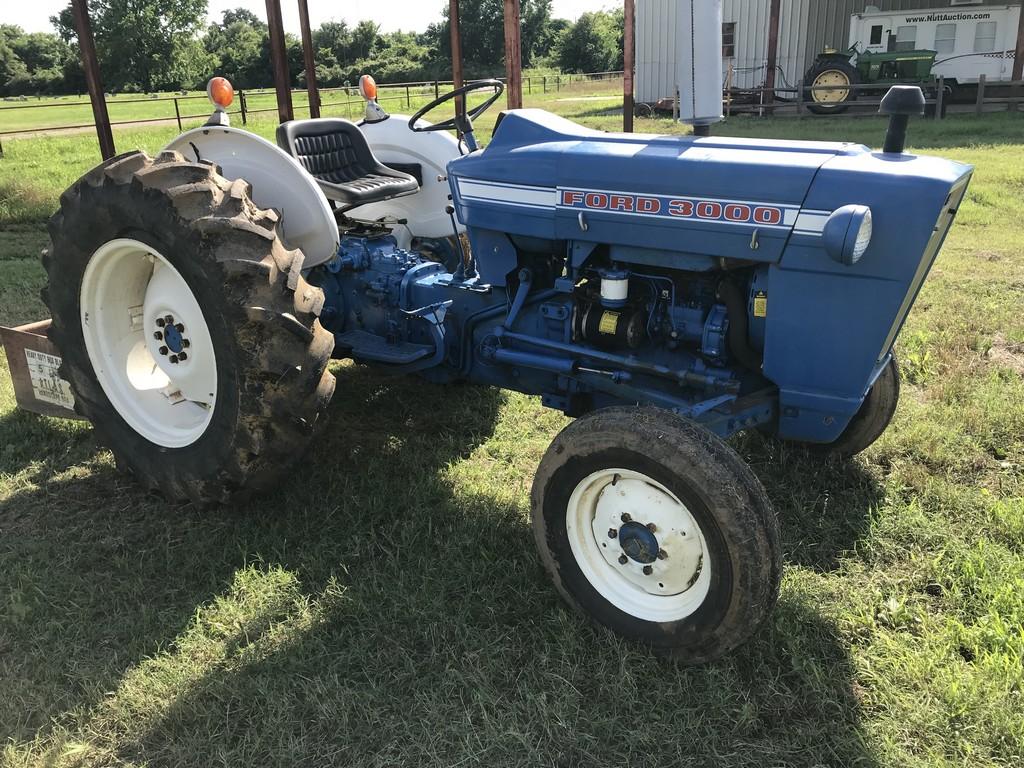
<point>146,46</point>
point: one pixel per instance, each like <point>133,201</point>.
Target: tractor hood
<point>546,177</point>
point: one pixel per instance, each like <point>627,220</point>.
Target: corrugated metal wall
<point>806,27</point>
<point>655,49</point>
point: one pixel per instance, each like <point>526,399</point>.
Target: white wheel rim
<point>163,387</point>
<point>622,502</point>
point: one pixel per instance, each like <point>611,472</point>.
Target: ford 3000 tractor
<point>670,291</point>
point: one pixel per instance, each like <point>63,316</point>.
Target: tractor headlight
<point>848,233</point>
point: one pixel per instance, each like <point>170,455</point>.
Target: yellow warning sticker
<point>760,304</point>
<point>609,322</point>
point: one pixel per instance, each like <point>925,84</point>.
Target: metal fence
<point>344,97</point>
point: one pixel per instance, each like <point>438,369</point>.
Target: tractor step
<point>364,345</point>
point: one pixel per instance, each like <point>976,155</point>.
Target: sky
<point>408,15</point>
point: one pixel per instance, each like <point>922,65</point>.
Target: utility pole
<point>279,62</point>
<point>87,49</point>
<point>307,58</point>
<point>1018,62</point>
<point>773,52</point>
<point>513,56</point>
<point>628,60</point>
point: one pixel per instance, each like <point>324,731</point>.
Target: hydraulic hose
<point>739,345</point>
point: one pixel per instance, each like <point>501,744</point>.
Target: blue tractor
<point>669,291</point>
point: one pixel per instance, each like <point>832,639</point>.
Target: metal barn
<point>805,28</point>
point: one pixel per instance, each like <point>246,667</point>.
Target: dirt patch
<point>1009,354</point>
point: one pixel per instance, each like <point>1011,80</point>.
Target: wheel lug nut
<point>180,327</point>
<point>623,559</point>
<point>169,319</point>
<point>158,336</point>
<point>163,350</point>
<point>173,358</point>
<point>662,554</point>
<point>186,343</point>
<point>648,570</point>
<point>652,527</point>
<point>625,517</point>
<point>612,533</point>
<point>160,322</point>
<point>182,356</point>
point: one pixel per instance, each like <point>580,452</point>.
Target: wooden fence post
<point>939,96</point>
<point>456,43</point>
<point>177,113</point>
<point>800,98</point>
<point>242,105</point>
<point>979,104</point>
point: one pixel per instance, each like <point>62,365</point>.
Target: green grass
<point>385,605</point>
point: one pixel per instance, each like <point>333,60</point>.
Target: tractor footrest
<point>369,346</point>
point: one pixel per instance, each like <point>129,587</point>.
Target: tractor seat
<point>335,153</point>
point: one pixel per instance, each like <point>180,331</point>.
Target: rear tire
<point>682,504</point>
<point>836,72</point>
<point>267,353</point>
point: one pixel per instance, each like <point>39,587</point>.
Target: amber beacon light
<point>220,92</point>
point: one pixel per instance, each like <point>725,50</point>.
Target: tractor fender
<point>278,181</point>
<point>396,145</point>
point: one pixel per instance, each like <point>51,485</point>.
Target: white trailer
<point>968,41</point>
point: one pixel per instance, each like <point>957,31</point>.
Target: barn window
<point>876,35</point>
<point>906,38</point>
<point>985,37</point>
<point>729,40</point>
<point>945,38</point>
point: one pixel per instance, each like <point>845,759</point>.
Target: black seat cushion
<point>336,154</point>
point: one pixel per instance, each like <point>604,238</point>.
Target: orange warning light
<point>368,87</point>
<point>220,92</point>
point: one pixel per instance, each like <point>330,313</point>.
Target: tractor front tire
<point>651,526</point>
<point>830,71</point>
<point>871,419</point>
<point>227,396</point>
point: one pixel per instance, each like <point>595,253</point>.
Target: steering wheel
<point>462,123</point>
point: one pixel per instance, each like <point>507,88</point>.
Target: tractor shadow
<point>96,575</point>
<point>824,504</point>
<point>390,604</point>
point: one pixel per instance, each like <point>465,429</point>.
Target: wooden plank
<point>279,62</point>
<point>87,49</point>
<point>979,104</point>
<point>513,56</point>
<point>308,60</point>
<point>33,361</point>
<point>628,59</point>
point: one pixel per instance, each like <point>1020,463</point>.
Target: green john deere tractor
<point>829,84</point>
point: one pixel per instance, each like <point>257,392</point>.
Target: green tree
<point>482,24</point>
<point>145,44</point>
<point>12,68</point>
<point>592,44</point>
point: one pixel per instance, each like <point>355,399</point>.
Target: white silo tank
<point>699,67</point>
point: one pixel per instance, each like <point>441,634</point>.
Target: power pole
<point>628,60</point>
<point>773,52</point>
<point>307,58</point>
<point>87,49</point>
<point>1018,62</point>
<point>513,56</point>
<point>279,62</point>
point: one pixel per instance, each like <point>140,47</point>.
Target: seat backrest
<point>329,148</point>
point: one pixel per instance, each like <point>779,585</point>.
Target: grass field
<point>385,606</point>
